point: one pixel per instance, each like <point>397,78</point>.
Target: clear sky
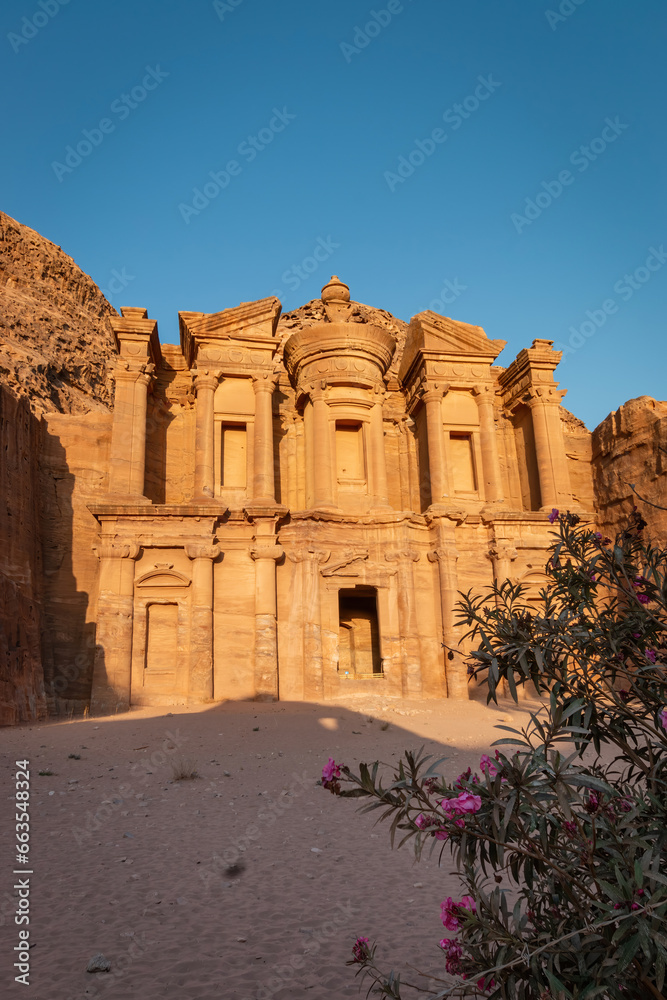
<point>500,161</point>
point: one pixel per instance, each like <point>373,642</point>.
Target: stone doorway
<point>358,634</point>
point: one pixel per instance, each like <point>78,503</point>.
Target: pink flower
<point>553,516</point>
<point>453,952</point>
<point>487,766</point>
<point>440,834</point>
<point>663,718</point>
<point>450,911</point>
<point>330,770</point>
<point>643,598</point>
<point>465,802</point>
<point>650,656</point>
<point>360,949</point>
<point>468,803</point>
<point>483,985</point>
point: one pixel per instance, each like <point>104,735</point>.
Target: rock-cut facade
<point>292,503</point>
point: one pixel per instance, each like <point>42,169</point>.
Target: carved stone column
<point>493,483</point>
<point>412,676</point>
<point>127,460</point>
<point>200,685</point>
<point>378,455</point>
<point>266,631</point>
<point>502,554</point>
<point>112,669</point>
<point>263,472</point>
<point>323,492</point>
<point>308,617</point>
<point>446,556</point>
<point>555,490</point>
<point>436,446</point>
<point>206,382</point>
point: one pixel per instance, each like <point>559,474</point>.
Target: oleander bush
<point>559,837</point>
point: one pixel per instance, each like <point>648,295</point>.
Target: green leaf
<point>628,952</point>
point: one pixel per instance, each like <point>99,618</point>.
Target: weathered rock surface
<point>630,449</point>
<point>21,681</point>
<point>54,339</point>
<point>55,343</point>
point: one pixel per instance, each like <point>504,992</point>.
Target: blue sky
<point>304,111</point>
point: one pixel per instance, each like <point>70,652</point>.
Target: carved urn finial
<point>335,291</point>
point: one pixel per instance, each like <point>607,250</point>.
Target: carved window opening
<point>233,456</point>
<point>358,635</point>
<point>350,454</point>
<point>462,463</point>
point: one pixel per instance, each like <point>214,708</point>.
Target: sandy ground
<point>130,863</point>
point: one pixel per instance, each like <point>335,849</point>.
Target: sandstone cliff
<point>54,338</point>
<point>55,342</point>
<point>630,449</point>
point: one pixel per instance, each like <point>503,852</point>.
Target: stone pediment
<point>248,323</point>
<point>434,336</point>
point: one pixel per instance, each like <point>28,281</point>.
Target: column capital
<point>407,554</point>
<point>122,370</point>
<point>304,554</point>
<point>317,390</point>
<point>206,378</point>
<point>545,394</point>
<point>484,392</point>
<point>117,550</point>
<point>274,552</point>
<point>202,550</point>
<point>433,392</point>
<point>442,555</point>
<point>502,550</point>
<point>265,381</point>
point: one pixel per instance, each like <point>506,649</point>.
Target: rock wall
<point>54,339</point>
<point>55,343</point>
<point>630,449</point>
<point>21,613</point>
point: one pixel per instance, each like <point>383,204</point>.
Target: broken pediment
<point>439,337</point>
<point>250,323</point>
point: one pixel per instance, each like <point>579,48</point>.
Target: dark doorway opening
<point>358,633</point>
